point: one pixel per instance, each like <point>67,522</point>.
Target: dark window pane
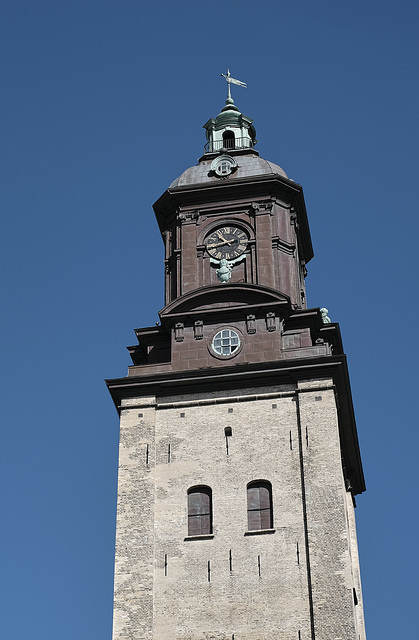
<point>253,520</point>
<point>199,525</point>
<point>205,524</point>
<point>253,498</point>
<point>198,503</point>
<point>265,498</point>
<point>265,519</point>
<point>259,506</point>
<point>199,511</point>
<point>194,504</point>
<point>194,526</point>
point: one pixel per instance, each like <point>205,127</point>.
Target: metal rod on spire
<point>231,81</point>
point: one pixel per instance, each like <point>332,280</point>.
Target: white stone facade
<point>294,582</point>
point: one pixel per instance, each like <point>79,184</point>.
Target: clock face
<point>226,242</point>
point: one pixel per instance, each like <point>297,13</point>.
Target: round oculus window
<point>223,165</point>
<point>226,342</point>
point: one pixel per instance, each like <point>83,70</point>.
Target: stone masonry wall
<point>134,549</point>
<point>233,585</point>
<point>328,533</point>
<point>356,574</point>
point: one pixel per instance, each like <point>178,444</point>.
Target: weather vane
<point>230,81</point>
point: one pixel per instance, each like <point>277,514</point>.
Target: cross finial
<point>230,81</point>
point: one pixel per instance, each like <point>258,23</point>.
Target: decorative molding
<point>198,329</point>
<point>270,321</point>
<point>282,203</point>
<point>282,245</point>
<point>263,207</point>
<point>225,400</point>
<point>251,323</point>
<point>188,216</point>
<point>179,329</point>
<point>293,218</point>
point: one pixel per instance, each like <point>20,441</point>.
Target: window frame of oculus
<point>226,343</point>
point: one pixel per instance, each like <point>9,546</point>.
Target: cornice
<point>219,295</point>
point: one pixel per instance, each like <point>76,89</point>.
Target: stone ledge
<point>259,532</point>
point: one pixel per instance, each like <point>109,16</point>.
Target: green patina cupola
<point>229,130</point>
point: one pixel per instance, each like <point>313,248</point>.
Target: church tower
<point>239,460</point>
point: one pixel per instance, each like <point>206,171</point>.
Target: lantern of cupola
<point>230,130</point>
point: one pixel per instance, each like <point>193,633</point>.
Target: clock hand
<point>218,244</point>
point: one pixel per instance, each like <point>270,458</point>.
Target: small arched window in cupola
<point>228,140</point>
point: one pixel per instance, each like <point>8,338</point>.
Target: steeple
<point>234,218</point>
<point>239,457</point>
<point>230,130</point>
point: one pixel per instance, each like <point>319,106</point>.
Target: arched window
<point>199,511</point>
<point>259,505</point>
<point>228,140</point>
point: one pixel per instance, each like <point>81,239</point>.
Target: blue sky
<point>102,106</point>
